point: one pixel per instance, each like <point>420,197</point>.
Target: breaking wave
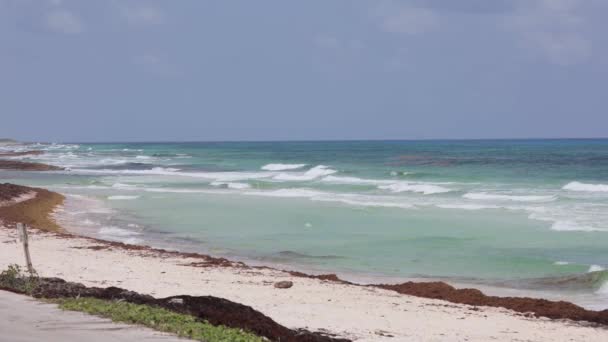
<point>282,167</point>
<point>566,226</point>
<point>578,186</point>
<point>314,173</point>
<point>426,189</point>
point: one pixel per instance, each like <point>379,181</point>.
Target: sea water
<point>517,215</point>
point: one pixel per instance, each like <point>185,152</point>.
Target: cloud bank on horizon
<point>272,70</point>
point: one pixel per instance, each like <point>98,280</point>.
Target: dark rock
<point>283,284</point>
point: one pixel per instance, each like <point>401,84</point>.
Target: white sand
<point>362,314</point>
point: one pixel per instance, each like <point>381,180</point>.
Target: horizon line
<point>326,140</point>
<point>303,140</point>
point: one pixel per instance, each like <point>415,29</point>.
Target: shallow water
<point>512,214</point>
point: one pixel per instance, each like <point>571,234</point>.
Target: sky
<point>202,70</point>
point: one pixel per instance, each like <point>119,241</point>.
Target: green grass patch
<point>16,279</point>
<point>157,318</point>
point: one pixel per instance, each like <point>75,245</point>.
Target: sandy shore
<point>360,313</point>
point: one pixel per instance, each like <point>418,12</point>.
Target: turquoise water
<point>523,214</point>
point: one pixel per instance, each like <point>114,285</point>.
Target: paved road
<point>23,319</point>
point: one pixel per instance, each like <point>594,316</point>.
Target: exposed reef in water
<point>26,166</point>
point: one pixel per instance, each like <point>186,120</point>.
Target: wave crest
<point>314,173</point>
<point>281,167</point>
<point>578,186</point>
<point>426,189</point>
<point>565,226</point>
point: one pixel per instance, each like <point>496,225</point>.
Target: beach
<point>360,313</point>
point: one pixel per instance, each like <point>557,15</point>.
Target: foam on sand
<point>282,167</point>
<point>578,186</point>
<point>498,197</point>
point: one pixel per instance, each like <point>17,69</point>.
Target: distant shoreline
<point>254,141</point>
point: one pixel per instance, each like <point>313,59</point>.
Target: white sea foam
<point>116,231</point>
<point>123,198</point>
<point>350,199</point>
<point>364,203</point>
<point>314,173</point>
<point>567,226</point>
<point>578,186</point>
<point>282,167</point>
<point>143,157</point>
<point>426,189</point>
<point>391,185</point>
<point>288,193</point>
<point>132,241</point>
<point>122,186</point>
<point>595,268</point>
<point>467,206</point>
<point>516,198</point>
<point>185,191</point>
<point>354,180</point>
<point>231,185</point>
<point>561,263</point>
<point>173,172</point>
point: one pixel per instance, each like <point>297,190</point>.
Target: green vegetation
<point>14,278</point>
<point>154,317</point>
<point>157,318</point>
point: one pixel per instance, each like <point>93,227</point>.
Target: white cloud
<point>552,28</point>
<point>144,15</point>
<point>408,20</point>
<point>64,21</point>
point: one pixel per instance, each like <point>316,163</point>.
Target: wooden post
<point>26,247</point>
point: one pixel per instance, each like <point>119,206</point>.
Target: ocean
<point>518,217</point>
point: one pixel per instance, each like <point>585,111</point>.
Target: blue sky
<point>292,70</point>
